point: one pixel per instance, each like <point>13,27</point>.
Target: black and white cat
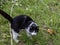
<point>21,22</point>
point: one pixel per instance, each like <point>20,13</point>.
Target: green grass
<point>43,12</point>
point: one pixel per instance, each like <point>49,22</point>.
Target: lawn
<point>46,13</point>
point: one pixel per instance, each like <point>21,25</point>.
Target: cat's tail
<point>7,16</point>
